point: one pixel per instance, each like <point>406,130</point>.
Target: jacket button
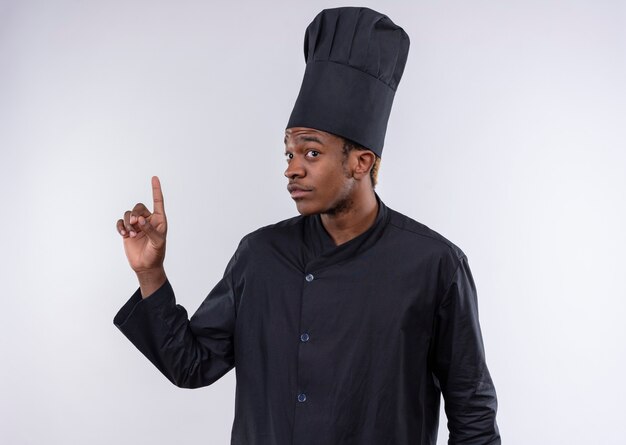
<point>301,397</point>
<point>304,337</point>
<point>309,278</point>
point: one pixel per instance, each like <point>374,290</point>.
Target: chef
<point>344,324</point>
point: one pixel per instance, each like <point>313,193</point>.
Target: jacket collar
<point>321,249</point>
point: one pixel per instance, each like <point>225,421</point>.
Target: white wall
<point>507,136</point>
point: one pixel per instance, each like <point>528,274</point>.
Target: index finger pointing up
<point>157,196</point>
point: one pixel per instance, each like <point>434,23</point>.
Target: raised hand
<point>144,234</point>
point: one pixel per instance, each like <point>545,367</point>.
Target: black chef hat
<point>354,61</point>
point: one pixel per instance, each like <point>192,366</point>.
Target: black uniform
<point>348,344</point>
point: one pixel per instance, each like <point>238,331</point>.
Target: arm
<point>460,366</point>
<point>192,353</point>
<point>189,353</point>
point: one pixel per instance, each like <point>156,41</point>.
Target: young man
<point>346,323</point>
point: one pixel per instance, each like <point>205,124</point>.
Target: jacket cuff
<point>162,296</point>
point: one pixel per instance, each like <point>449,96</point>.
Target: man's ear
<point>365,162</point>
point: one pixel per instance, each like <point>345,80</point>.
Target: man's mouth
<point>297,191</point>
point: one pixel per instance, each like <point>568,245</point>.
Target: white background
<point>507,136</point>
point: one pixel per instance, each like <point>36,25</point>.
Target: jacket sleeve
<point>460,366</point>
<point>190,353</point>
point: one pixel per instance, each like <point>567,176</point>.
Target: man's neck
<point>350,223</point>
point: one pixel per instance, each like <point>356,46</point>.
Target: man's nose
<point>295,169</point>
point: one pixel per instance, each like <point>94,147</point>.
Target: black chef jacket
<point>349,344</point>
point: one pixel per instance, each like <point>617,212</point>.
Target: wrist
<point>152,273</point>
<point>151,280</point>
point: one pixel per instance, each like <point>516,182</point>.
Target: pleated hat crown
<point>355,58</point>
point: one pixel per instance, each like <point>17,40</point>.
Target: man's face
<point>319,181</point>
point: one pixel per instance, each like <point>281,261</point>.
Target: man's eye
<point>313,153</point>
<point>288,156</point>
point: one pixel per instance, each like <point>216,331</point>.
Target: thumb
<point>150,231</point>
